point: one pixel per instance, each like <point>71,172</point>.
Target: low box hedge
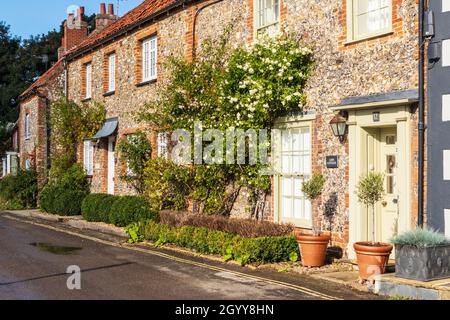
<point>128,209</point>
<point>118,210</point>
<point>96,207</point>
<point>232,247</point>
<point>60,201</point>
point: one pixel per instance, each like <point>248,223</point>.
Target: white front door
<point>111,164</point>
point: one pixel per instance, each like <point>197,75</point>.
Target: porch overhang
<point>389,99</point>
<point>109,128</point>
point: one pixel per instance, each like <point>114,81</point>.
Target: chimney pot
<point>102,8</point>
<point>111,9</point>
<point>81,12</point>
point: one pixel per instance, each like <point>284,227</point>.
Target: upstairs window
<point>88,79</point>
<point>88,157</point>
<point>27,126</point>
<point>369,18</point>
<point>267,16</point>
<point>112,72</point>
<point>149,59</point>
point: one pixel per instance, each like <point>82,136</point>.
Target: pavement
<point>36,254</point>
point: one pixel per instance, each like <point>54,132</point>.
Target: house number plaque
<point>332,162</point>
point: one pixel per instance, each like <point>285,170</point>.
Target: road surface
<point>34,261</point>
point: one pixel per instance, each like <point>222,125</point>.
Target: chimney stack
<point>75,31</point>
<point>103,19</point>
<point>102,8</point>
<point>111,9</point>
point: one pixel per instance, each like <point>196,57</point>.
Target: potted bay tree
<point>372,256</point>
<point>422,254</point>
<point>313,247</point>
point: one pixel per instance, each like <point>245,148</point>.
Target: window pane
<point>112,72</point>
<point>298,208</point>
<point>287,187</point>
<point>371,16</point>
<point>287,207</point>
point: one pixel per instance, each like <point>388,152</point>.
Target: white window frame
<point>27,164</point>
<point>88,160</point>
<point>294,123</point>
<point>352,26</point>
<point>163,145</point>
<point>259,13</point>
<point>150,59</point>
<point>112,60</point>
<point>88,84</point>
<point>27,126</point>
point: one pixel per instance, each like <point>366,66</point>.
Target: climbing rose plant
<point>71,123</point>
<point>232,88</point>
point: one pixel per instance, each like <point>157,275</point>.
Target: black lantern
<point>339,126</point>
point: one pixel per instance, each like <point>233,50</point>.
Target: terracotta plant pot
<point>372,258</point>
<point>313,249</point>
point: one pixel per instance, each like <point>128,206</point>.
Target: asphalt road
<point>34,262</point>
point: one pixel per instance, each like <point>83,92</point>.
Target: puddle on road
<point>55,249</point>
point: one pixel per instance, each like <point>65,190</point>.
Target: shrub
<point>128,209</point>
<point>314,187</point>
<point>232,247</point>
<point>56,200</point>
<point>166,184</point>
<point>422,238</point>
<point>97,207</point>
<point>19,191</point>
<point>65,195</point>
<point>245,228</point>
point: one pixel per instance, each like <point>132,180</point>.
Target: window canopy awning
<point>108,129</point>
<point>379,100</point>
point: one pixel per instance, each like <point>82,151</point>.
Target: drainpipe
<point>420,218</point>
<point>66,81</point>
<point>194,27</point>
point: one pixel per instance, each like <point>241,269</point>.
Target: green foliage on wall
<point>232,88</point>
<point>71,123</point>
<point>135,150</point>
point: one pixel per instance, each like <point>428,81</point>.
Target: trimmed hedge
<point>246,228</point>
<point>19,191</point>
<point>64,195</point>
<point>128,209</point>
<point>120,211</point>
<point>97,207</point>
<point>232,247</point>
<point>60,201</point>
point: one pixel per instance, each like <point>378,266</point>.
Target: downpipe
<point>421,127</point>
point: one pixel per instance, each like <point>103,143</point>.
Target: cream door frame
<point>395,116</point>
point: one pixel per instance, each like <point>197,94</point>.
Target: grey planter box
<point>423,264</point>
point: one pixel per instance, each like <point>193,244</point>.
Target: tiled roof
<point>140,13</point>
<point>53,71</point>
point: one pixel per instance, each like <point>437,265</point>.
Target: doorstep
<point>390,285</point>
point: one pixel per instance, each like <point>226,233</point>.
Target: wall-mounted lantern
<point>339,126</point>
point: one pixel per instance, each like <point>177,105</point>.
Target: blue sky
<point>31,17</point>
